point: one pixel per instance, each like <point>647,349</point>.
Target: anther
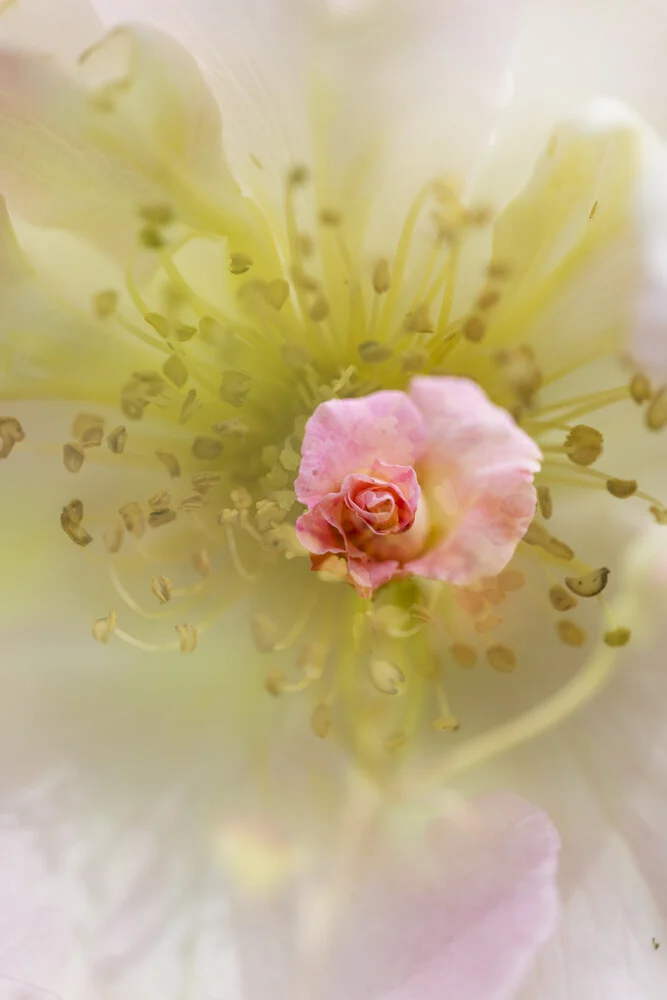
<point>501,658</point>
<point>159,500</point>
<point>239,263</point>
<point>206,448</point>
<point>319,310</point>
<point>561,600</point>
<point>583,445</point>
<point>311,659</point>
<point>659,513</point>
<point>241,498</point>
<point>175,371</point>
<point>511,579</point>
<point>640,389</point>
<point>201,563</point>
<point>386,677</point>
<point>235,387</point>
<point>622,488</point>
<point>276,293</point>
<point>465,656</point>
<point>419,320</point>
<point>192,503</point>
<point>202,482</point>
<point>489,298</point>
<point>330,217</point>
<point>544,501</point>
<point>191,405</point>
<point>105,303</point>
<point>163,588</point>
<point>88,429</point>
<point>11,433</point>
<point>320,721</point>
<point>151,238</point>
<point>70,520</point>
<point>133,518</point>
<point>159,323</point>
<point>157,214</point>
<point>189,637</point>
<point>184,332</point>
<point>170,463</point>
<point>264,632</point>
<point>474,329</point>
<point>298,175</point>
<point>445,724</point>
<point>589,585</point>
<point>117,439</point>
<point>104,628</point>
<point>414,360</point>
<point>73,456</point>
<point>617,637</point>
<point>570,633</point>
<point>113,539</point>
<point>381,277</point>
<point>488,623</point>
<point>372,352</point>
<point>158,518</point>
<point>656,414</point>
<point>234,429</point>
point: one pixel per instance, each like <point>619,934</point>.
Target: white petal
<point>380,99</point>
<point>580,241</point>
<point>63,29</point>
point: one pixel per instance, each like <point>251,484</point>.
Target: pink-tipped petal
<point>478,477</point>
<point>344,436</point>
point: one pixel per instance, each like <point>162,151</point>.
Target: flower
<point>180,301</point>
<point>442,468</point>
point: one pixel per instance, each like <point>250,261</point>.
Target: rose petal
<point>484,464</point>
<point>349,436</point>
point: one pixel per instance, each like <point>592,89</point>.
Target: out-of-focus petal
<point>459,905</point>
<point>583,244</point>
<point>142,146</point>
<point>355,87</point>
<point>351,435</point>
<point>60,29</point>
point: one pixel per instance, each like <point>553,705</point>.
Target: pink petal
<point>454,909</point>
<point>483,464</point>
<point>350,435</point>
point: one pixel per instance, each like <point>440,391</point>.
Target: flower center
<point>216,414</point>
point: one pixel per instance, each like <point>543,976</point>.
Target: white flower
<point>178,299</point>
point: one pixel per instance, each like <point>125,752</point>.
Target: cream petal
<point>49,348</point>
<point>96,158</point>
<point>379,97</point>
<point>580,257</point>
<point>63,29</point>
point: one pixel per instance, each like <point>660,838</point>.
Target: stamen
<point>589,585</point>
<point>501,658</point>
<point>570,633</point>
<point>561,600</point>
<point>73,456</point>
<point>640,389</point>
<point>71,519</point>
<point>386,677</point>
<point>117,440</point>
<point>656,414</point>
<point>320,720</point>
<point>163,588</point>
<point>544,501</point>
<point>465,656</point>
<point>104,628</point>
<point>170,462</point>
<point>11,433</point>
